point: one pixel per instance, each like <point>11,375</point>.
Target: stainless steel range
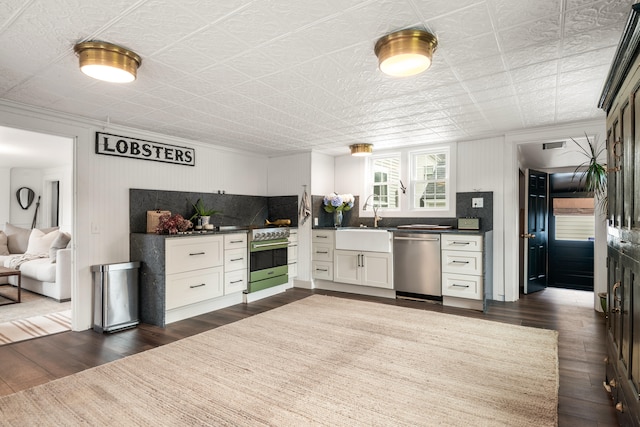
<point>268,258</point>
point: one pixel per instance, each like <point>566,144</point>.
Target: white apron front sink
<point>363,239</point>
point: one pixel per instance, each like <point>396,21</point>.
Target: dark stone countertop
<point>408,230</point>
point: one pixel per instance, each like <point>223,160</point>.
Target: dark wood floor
<point>583,401</point>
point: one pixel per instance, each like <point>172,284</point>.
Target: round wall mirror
<point>25,197</point>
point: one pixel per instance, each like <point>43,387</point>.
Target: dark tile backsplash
<point>254,210</point>
<point>352,217</point>
<point>235,209</point>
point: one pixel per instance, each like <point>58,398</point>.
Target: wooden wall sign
<point>122,146</point>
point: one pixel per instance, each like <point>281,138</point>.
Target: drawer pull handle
<point>236,259</point>
<point>461,243</point>
<point>237,281</point>
<point>321,237</point>
<point>196,253</point>
<point>270,273</point>
<point>459,262</point>
<point>460,286</point>
<point>322,269</point>
<point>198,286</point>
<point>322,252</point>
<point>236,241</point>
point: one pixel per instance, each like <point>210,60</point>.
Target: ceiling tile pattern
<point>277,76</point>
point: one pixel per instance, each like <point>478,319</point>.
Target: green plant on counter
<point>201,210</point>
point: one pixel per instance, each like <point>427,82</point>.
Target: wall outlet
<point>315,221</point>
<point>477,202</point>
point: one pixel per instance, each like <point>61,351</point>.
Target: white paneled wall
<point>479,170</point>
<point>322,174</point>
<point>287,174</point>
<point>5,195</point>
<point>349,176</point>
<point>286,177</point>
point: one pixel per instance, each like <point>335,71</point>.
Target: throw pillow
<point>60,242</point>
<point>39,243</point>
<point>4,249</point>
<point>17,238</point>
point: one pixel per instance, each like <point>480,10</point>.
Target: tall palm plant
<point>592,172</point>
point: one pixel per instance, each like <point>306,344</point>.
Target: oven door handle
<point>267,245</point>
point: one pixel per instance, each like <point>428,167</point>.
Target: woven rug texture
<point>318,361</point>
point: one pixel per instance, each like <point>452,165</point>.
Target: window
<point>386,181</point>
<point>411,182</point>
<point>575,227</point>
<point>430,179</point>
<point>574,218</point>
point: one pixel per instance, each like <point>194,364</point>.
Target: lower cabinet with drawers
<point>322,246</point>
<point>184,276</point>
<point>465,267</point>
<point>235,263</point>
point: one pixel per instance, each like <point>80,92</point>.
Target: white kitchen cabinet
<point>322,243</point>
<point>194,273</point>
<point>193,253</point>
<point>363,268</point>
<point>462,266</point>
<point>189,275</point>
<point>235,263</point>
<point>292,253</point>
<point>193,286</point>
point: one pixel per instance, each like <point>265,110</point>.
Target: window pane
<point>430,180</point>
<point>575,227</point>
<point>386,181</point>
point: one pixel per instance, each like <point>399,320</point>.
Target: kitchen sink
<point>363,239</point>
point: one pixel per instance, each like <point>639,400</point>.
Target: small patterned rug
<point>33,327</point>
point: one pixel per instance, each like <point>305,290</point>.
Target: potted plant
<point>203,213</point>
<point>592,172</point>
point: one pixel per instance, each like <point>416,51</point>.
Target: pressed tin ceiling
<point>282,76</point>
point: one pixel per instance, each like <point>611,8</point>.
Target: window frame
<point>405,208</point>
<point>414,181</point>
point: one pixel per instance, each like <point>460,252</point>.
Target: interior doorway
<point>45,164</point>
<point>571,233</point>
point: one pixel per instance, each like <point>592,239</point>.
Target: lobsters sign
<point>122,146</point>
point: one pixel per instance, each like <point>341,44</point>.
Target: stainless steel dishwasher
<point>416,265</point>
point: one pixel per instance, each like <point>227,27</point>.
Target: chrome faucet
<point>376,218</point>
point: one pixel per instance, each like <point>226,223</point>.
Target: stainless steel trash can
<point>115,296</point>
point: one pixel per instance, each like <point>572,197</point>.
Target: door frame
<point>512,165</point>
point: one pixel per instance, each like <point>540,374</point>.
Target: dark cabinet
<point>621,100</point>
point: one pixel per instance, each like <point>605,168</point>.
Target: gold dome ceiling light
<point>361,150</point>
<point>405,53</point>
<point>108,62</point>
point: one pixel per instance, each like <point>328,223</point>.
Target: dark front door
<point>536,236</point>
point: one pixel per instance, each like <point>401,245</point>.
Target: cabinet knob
<point>612,383</point>
<point>619,407</point>
<point>606,359</point>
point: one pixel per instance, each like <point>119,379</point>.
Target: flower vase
<point>337,218</point>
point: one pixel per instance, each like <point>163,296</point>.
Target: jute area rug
<point>318,361</point>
